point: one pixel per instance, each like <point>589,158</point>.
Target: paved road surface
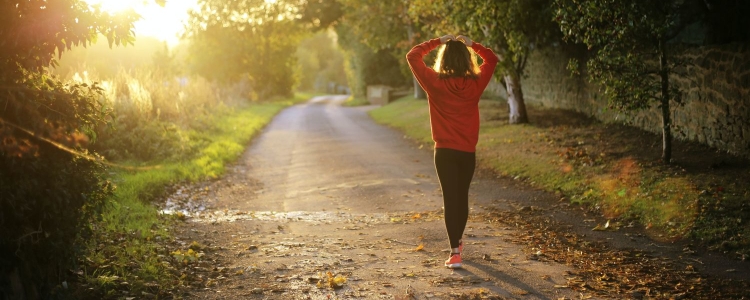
<point>325,189</point>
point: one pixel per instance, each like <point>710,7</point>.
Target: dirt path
<point>325,189</point>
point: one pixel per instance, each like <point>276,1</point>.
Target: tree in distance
<point>248,40</point>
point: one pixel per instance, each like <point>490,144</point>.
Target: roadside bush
<point>46,204</point>
<point>153,113</point>
<point>50,188</point>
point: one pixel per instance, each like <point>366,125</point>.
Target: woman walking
<point>453,88</point>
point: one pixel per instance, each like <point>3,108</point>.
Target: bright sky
<point>164,23</point>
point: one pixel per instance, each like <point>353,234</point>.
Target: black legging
<point>455,170</point>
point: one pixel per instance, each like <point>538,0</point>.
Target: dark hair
<point>454,59</point>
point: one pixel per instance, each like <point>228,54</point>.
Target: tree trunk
<point>666,154</point>
<point>515,100</point>
<point>418,91</point>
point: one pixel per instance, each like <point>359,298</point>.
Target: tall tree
<point>247,39</point>
<point>512,28</point>
<point>632,57</point>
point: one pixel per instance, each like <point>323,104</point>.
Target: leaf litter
<point>604,271</point>
<point>599,270</point>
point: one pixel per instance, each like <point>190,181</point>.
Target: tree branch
<point>42,104</point>
<point>73,151</point>
<point>524,61</point>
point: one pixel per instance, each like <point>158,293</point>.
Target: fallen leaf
<point>332,281</point>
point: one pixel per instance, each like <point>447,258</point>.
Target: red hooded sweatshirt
<point>454,101</point>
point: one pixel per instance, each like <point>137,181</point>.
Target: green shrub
<point>48,192</point>
<point>154,113</point>
<point>46,202</point>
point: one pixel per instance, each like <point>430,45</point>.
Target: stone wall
<point>716,108</point>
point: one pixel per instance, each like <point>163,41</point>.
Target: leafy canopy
<point>48,192</point>
<point>380,24</point>
<point>32,35</point>
<point>248,39</point>
<point>627,39</point>
<point>32,32</point>
<point>510,27</point>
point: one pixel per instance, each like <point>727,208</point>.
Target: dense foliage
<point>321,64</point>
<point>31,34</point>
<point>248,40</point>
<point>374,36</point>
<point>49,186</point>
<point>47,203</point>
<point>387,30</point>
<point>367,66</point>
<point>153,110</point>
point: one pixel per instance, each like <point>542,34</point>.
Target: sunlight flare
<point>165,23</point>
<point>114,6</point>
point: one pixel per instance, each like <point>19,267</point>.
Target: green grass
<point>407,114</point>
<point>298,97</point>
<point>228,136</point>
<point>129,241</point>
<point>577,162</point>
<point>356,101</point>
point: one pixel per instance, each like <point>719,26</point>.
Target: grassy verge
<point>611,168</point>
<point>131,254</point>
<point>356,101</point>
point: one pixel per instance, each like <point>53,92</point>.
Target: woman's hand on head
<point>448,37</point>
<point>465,39</point>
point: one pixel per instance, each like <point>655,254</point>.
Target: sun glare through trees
<point>109,109</point>
<point>165,22</point>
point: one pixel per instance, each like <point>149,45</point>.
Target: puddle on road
<point>190,201</point>
<point>290,216</point>
<point>354,184</point>
<point>187,200</point>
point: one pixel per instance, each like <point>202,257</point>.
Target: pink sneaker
<point>454,262</point>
